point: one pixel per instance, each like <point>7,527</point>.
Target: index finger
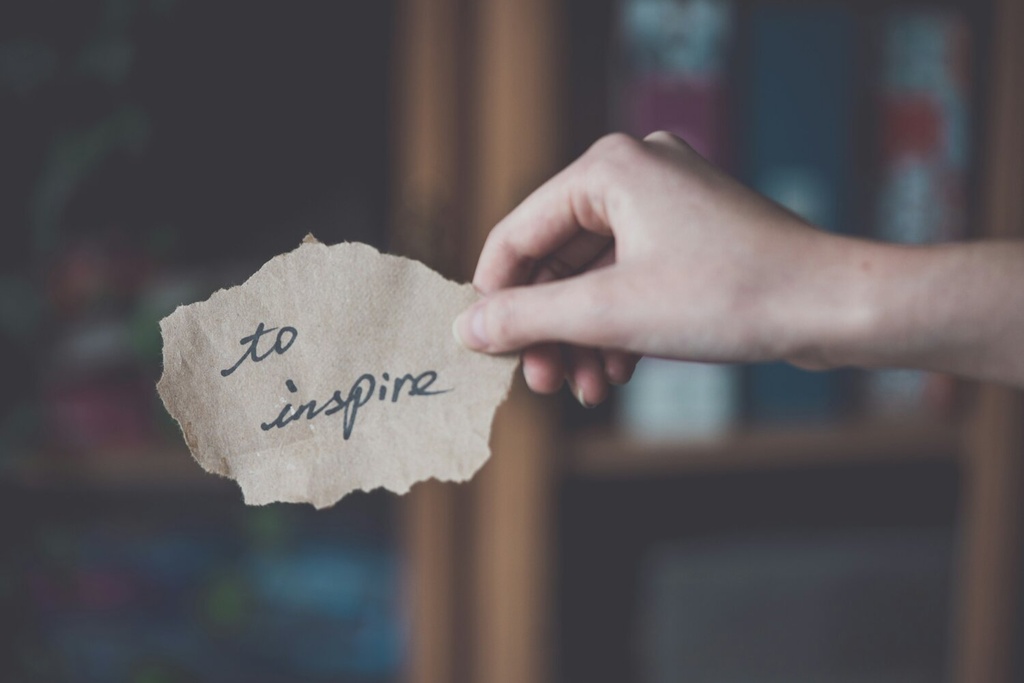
<point>543,222</point>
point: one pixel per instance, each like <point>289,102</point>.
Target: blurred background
<point>709,524</point>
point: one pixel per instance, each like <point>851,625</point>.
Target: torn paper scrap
<point>332,369</point>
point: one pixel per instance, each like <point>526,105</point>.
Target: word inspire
<point>348,403</point>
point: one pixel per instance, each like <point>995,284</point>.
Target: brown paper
<point>332,369</point>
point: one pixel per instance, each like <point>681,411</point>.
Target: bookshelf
<point>479,118</point>
<point>169,468</point>
<point>601,454</point>
<point>483,104</point>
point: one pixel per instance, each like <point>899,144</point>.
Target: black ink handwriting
<point>285,338</point>
<point>348,403</point>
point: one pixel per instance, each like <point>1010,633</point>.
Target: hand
<point>645,248</point>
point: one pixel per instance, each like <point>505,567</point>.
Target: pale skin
<point>643,248</point>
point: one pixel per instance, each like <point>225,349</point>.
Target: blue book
<point>799,152</point>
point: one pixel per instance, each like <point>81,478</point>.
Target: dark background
<point>152,151</point>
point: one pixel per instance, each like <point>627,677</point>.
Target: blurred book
<point>923,99</point>
<point>798,151</point>
<point>669,400</point>
<point>846,607</point>
<point>673,76</point>
<point>99,353</point>
<point>688,38</point>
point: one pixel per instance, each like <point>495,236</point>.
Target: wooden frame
<point>993,466</point>
<point>427,143</point>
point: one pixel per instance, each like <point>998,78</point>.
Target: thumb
<point>578,310</point>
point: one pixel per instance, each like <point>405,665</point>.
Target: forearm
<point>955,308</point>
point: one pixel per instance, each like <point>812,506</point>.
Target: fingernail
<point>468,327</point>
<point>577,392</point>
<point>583,401</point>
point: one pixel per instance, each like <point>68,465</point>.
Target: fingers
<point>558,231</point>
<point>543,368</point>
<point>583,251</point>
<point>589,372</point>
<point>547,366</point>
<point>547,219</point>
<point>542,223</point>
<point>580,310</point>
<point>570,202</point>
<point>585,371</point>
<point>619,366</point>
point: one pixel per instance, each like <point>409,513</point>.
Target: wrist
<point>944,307</point>
<point>839,308</point>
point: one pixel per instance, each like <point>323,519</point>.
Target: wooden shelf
<point>609,454</point>
<point>147,469</point>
